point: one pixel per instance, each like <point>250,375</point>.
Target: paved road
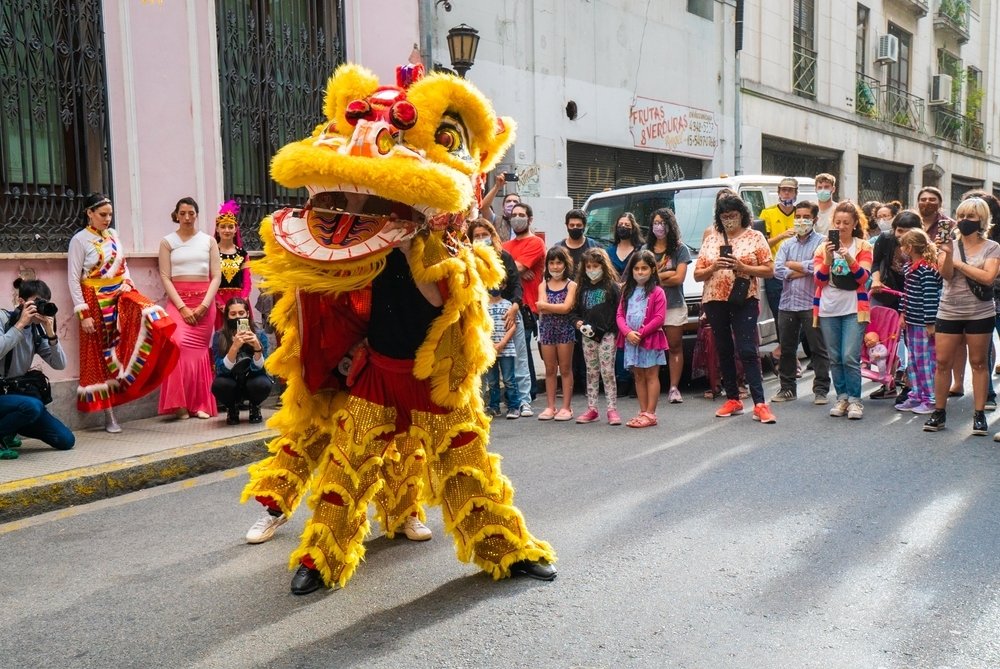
<point>816,542</point>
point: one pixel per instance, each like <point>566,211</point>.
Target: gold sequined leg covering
<point>476,498</point>
<point>403,476</point>
<point>285,475</point>
<point>348,478</point>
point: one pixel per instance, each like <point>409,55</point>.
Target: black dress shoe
<point>936,421</point>
<point>539,570</point>
<point>306,580</point>
<point>232,416</point>
<point>255,416</point>
<point>883,393</point>
<point>980,427</point>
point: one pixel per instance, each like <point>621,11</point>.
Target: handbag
<point>32,383</point>
<point>741,285</point>
<point>981,291</point>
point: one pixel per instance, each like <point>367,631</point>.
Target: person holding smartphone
<point>841,309</point>
<point>240,350</point>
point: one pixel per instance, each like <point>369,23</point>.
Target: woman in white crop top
<point>189,270</point>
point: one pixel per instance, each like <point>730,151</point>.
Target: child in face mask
<point>556,336</point>
<point>594,315</point>
<point>641,314</point>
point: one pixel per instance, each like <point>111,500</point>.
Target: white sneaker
<point>855,411</point>
<point>526,411</point>
<point>839,409</point>
<point>264,528</point>
<point>415,530</point>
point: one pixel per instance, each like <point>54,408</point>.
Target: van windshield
<point>695,211</point>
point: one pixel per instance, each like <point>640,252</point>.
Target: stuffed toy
<point>384,330</point>
<point>878,354</point>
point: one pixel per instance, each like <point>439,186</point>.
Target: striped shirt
<point>797,294</point>
<point>921,294</point>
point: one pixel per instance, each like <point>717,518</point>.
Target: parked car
<point>693,202</point>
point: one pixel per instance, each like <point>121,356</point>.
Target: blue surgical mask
<point>824,195</point>
<point>488,241</point>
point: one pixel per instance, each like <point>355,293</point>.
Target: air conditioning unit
<point>888,49</point>
<point>940,90</point>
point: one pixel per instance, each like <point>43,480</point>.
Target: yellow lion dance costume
<point>384,331</point>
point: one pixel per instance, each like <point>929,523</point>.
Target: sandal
<point>651,419</point>
<point>564,414</point>
<point>548,414</point>
<point>642,420</point>
<point>635,420</point>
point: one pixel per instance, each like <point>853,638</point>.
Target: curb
<point>32,496</point>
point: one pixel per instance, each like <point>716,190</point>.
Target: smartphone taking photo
<point>243,325</point>
<point>834,237</point>
<point>726,251</point>
<point>510,176</point>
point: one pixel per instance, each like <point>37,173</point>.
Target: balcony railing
<point>955,127</point>
<point>953,17</point>
<point>804,71</point>
<point>881,102</point>
<point>919,7</point>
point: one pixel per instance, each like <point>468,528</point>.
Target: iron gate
<point>275,57</point>
<point>54,134</point>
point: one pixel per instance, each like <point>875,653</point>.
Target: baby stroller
<point>886,323</point>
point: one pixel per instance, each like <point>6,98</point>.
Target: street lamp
<point>463,41</point>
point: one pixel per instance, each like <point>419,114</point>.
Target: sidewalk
<point>148,452</point>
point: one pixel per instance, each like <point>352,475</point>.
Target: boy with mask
<point>826,186</point>
<point>793,267</point>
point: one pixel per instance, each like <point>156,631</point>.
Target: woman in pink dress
<point>189,269</point>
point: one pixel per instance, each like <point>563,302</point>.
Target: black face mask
<point>967,227</point>
<point>576,233</point>
<point>232,323</point>
<point>624,232</point>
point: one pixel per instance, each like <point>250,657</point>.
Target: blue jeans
<point>522,373</point>
<point>503,367</point>
<point>843,335</point>
<point>772,291</point>
<point>28,417</point>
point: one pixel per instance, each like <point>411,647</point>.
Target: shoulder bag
<point>741,284</point>
<point>981,291</point>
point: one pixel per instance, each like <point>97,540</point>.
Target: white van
<point>693,202</point>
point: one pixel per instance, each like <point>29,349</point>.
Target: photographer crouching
<point>240,350</point>
<point>29,330</point>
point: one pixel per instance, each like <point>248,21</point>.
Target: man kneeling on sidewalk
<point>27,331</point>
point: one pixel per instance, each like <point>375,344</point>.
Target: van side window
<point>602,216</point>
<point>754,200</point>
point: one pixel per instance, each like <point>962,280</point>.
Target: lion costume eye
<point>449,137</point>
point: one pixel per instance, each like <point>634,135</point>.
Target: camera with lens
<point>44,307</point>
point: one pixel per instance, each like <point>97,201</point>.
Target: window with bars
<point>275,57</point>
<point>861,41</point>
<point>54,137</point>
<point>803,49</point>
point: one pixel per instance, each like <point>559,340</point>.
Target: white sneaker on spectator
<point>264,528</point>
<point>855,411</point>
<point>526,411</point>
<point>839,409</point>
<point>415,530</point>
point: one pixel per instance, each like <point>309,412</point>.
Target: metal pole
<point>737,105</point>
<point>426,28</point>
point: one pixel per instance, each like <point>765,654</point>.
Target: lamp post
<point>463,41</point>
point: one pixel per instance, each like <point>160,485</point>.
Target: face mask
<point>884,224</point>
<point>595,274</point>
<point>641,280</point>
<point>967,227</point>
<point>486,241</point>
<point>732,225</point>
<point>624,232</point>
<point>495,292</point>
<point>803,226</point>
<point>508,207</point>
<point>556,275</point>
<point>232,323</point>
<point>787,203</point>
<point>519,223</point>
<point>824,195</point>
<point>659,230</point>
<point>576,233</point>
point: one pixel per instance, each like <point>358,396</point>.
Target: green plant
<point>974,100</point>
<point>865,101</point>
<point>902,118</point>
<point>956,10</point>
